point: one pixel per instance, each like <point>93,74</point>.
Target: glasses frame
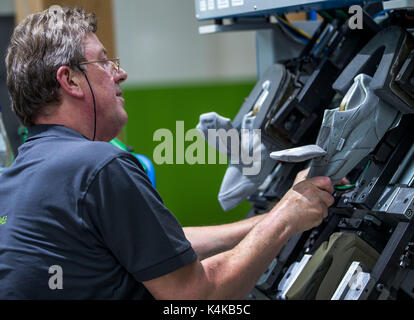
<point>116,63</point>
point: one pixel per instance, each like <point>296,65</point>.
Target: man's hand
<point>301,176</point>
<point>306,204</point>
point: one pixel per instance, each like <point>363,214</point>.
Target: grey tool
<point>298,154</point>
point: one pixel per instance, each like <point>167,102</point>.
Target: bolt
<point>403,264</point>
<point>409,213</point>
<point>380,287</point>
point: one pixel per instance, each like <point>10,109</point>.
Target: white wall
<point>158,42</point>
<point>6,7</point>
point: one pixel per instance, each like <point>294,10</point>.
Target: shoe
<point>348,133</point>
<point>352,131</point>
<point>249,163</point>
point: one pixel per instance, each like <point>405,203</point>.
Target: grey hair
<point>39,46</point>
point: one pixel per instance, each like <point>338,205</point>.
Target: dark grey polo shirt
<point>81,220</point>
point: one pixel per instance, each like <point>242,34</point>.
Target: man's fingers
<point>301,176</point>
<point>323,183</point>
<point>327,198</point>
<point>343,182</point>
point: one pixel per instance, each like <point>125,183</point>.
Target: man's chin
<point>117,128</point>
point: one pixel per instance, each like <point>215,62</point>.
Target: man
<point>83,221</point>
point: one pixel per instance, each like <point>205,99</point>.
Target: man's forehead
<point>93,47</point>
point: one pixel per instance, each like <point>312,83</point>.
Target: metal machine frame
<point>380,208</point>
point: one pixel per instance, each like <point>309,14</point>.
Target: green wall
<point>189,191</point>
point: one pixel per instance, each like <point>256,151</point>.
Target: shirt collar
<point>50,130</point>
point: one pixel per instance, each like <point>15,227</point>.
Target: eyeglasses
<point>110,65</point>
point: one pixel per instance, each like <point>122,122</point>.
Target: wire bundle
<point>292,31</point>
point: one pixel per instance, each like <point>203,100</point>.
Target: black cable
<point>94,105</point>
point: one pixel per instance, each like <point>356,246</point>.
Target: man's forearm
<point>230,274</point>
<point>210,240</point>
<point>236,271</point>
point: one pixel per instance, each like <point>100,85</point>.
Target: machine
<point>342,81</point>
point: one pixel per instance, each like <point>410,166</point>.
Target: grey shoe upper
<point>350,135</point>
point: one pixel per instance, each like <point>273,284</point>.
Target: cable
<point>300,35</point>
<point>341,14</point>
<point>351,186</point>
<point>347,187</point>
<point>365,170</point>
<point>291,35</point>
<point>326,15</point>
<point>295,29</point>
<point>94,104</point>
<point>380,13</point>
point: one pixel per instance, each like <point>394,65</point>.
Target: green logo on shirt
<point>3,220</point>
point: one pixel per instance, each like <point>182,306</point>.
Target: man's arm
<point>210,240</point>
<point>232,274</point>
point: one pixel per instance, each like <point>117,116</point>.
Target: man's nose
<point>121,76</point>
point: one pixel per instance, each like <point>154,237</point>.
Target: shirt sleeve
<point>131,220</point>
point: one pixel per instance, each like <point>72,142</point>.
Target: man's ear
<point>70,81</point>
